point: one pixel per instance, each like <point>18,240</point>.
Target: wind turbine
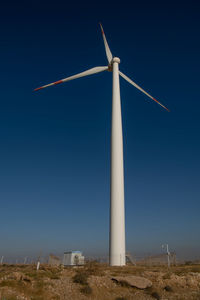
<point>25,259</point>
<point>168,253</point>
<point>117,256</point>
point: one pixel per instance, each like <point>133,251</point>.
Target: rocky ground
<point>99,282</point>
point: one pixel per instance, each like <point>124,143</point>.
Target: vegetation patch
<point>122,283</point>
<point>10,297</point>
<point>94,268</point>
<point>81,278</point>
<point>166,276</point>
<point>41,274</point>
<point>155,295</point>
<point>87,290</point>
<point>168,288</point>
<point>8,283</point>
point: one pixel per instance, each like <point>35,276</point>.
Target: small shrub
<point>179,272</point>
<point>37,298</point>
<point>81,278</point>
<point>32,274</point>
<point>188,263</point>
<point>166,276</point>
<point>195,269</point>
<point>39,285</point>
<point>155,295</point>
<point>94,268</point>
<point>56,297</point>
<point>168,288</point>
<point>10,297</point>
<point>54,276</point>
<point>8,283</point>
<point>87,290</point>
<point>121,298</point>
<point>124,283</point>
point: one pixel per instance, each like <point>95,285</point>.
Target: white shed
<point>73,258</point>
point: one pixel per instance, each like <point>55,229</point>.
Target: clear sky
<point>55,143</point>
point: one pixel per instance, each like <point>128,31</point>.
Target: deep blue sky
<point>55,144</point>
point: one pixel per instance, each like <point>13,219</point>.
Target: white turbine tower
<point>168,253</point>
<point>117,251</point>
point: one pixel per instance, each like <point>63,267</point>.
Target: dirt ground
<point>94,282</point>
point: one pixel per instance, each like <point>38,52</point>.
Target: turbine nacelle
<point>116,59</point>
<point>110,65</point>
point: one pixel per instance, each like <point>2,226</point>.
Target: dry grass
<point>93,281</point>
<point>34,293</point>
<point>31,283</point>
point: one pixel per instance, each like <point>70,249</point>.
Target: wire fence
<point>131,259</point>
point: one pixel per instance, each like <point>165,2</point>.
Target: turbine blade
<point>82,74</point>
<point>139,88</point>
<point>108,52</point>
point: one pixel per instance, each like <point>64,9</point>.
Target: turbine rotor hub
<point>110,68</point>
<point>116,59</point>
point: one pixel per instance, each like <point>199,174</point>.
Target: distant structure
<point>129,259</point>
<point>25,259</point>
<point>160,259</point>
<point>54,260</point>
<point>73,258</point>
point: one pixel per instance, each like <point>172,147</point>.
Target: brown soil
<point>94,282</point>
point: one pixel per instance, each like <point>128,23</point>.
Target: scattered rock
<point>16,276</point>
<point>134,281</point>
<point>19,277</point>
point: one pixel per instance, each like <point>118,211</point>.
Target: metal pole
<point>168,256</point>
<point>38,265</point>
